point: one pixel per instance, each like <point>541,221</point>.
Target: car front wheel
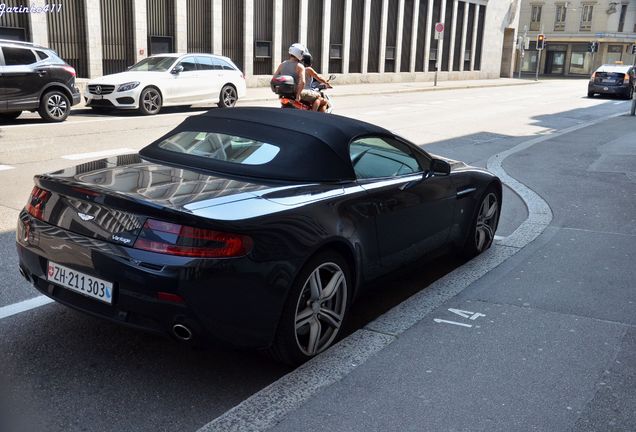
<point>150,101</point>
<point>228,97</point>
<point>315,309</point>
<point>54,106</point>
<point>484,224</point>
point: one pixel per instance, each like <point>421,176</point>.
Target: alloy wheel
<point>151,101</point>
<point>228,97</point>
<point>320,309</point>
<point>56,106</point>
<point>487,219</point>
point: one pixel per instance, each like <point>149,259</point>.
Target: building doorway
<point>555,62</point>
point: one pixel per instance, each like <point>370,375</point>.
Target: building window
<point>390,53</point>
<point>614,54</point>
<point>586,17</point>
<point>262,49</point>
<point>335,51</point>
<point>535,18</point>
<point>621,20</point>
<point>559,18</point>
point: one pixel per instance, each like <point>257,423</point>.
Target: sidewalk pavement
<point>553,344</point>
<point>264,93</point>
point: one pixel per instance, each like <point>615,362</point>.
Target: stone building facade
<point>570,27</point>
<point>364,40</point>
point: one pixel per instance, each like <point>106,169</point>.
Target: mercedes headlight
<point>127,86</point>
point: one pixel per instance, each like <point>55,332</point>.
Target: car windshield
<point>218,146</point>
<point>154,64</point>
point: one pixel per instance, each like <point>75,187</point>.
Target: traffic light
<point>540,41</point>
<point>593,47</point>
<point>634,49</point>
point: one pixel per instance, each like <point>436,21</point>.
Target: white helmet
<point>297,50</point>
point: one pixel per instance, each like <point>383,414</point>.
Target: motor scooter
<point>284,86</point>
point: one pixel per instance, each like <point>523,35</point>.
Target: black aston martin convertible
<point>255,226</point>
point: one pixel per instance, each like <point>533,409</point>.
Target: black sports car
<point>254,226</point>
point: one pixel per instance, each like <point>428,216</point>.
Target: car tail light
<point>182,240</point>
<point>37,201</point>
<point>70,70</point>
<point>626,78</point>
<point>593,75</point>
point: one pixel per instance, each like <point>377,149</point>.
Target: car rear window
<point>221,147</point>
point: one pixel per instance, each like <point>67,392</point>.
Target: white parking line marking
<point>103,153</point>
<point>439,321</point>
<point>5,167</point>
<point>23,306</point>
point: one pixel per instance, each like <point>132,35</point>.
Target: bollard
<point>633,110</point>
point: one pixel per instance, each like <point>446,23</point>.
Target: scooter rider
<point>294,67</point>
<point>309,94</point>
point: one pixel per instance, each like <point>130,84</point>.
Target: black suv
<point>35,78</point>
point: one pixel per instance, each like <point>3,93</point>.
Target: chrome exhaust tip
<point>182,332</point>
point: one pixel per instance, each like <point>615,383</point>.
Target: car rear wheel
<point>315,309</point>
<point>484,224</point>
<point>54,106</point>
<point>228,97</point>
<point>150,101</point>
<point>630,93</point>
<point>10,115</point>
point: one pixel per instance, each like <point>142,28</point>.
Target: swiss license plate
<point>80,282</point>
<point>608,80</point>
<point>98,97</point>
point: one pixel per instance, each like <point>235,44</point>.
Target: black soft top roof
<point>314,146</point>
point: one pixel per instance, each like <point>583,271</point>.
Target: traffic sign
<point>439,30</point>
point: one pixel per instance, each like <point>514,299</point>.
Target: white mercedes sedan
<point>169,80</point>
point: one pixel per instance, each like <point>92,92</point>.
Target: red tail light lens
<point>70,70</point>
<point>182,240</point>
<point>37,201</point>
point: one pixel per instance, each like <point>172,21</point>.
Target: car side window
<point>205,63</point>
<point>222,65</point>
<point>42,55</point>
<point>189,64</point>
<point>375,157</point>
<point>18,56</point>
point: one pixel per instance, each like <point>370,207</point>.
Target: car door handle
<point>41,72</point>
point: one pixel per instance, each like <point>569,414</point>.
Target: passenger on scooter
<point>309,94</point>
<point>294,67</point>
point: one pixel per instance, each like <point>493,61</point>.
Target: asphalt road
<point>61,370</point>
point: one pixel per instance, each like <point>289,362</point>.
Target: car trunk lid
<point>111,199</point>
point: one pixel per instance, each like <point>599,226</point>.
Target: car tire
<point>54,106</point>
<point>227,97</point>
<point>630,93</point>
<point>10,115</point>
<point>590,94</point>
<point>484,223</point>
<point>150,101</point>
<point>315,309</point>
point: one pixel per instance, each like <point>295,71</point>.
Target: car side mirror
<point>177,70</point>
<point>440,167</point>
